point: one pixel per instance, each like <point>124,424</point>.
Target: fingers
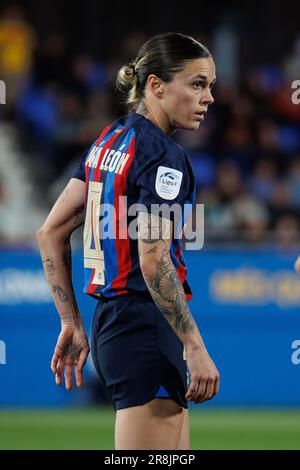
<point>201,390</point>
<point>209,391</point>
<point>59,371</point>
<point>68,373</point>
<point>192,390</point>
<point>78,376</point>
<point>54,361</point>
<point>217,385</point>
<point>78,373</point>
<point>63,361</point>
<point>64,367</point>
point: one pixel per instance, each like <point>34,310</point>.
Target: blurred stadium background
<point>59,63</point>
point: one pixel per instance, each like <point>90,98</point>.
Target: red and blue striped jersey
<point>132,158</point>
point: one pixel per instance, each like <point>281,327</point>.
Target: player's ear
<point>156,85</point>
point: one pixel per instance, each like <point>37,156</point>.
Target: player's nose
<point>208,98</point>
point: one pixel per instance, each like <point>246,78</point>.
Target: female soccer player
<point>144,338</point>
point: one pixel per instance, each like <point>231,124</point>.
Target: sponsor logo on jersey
<point>168,182</point>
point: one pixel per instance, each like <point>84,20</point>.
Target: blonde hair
<point>127,79</point>
<point>163,55</point>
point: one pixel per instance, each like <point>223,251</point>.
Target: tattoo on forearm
<point>167,292</point>
<point>49,265</point>
<point>71,316</point>
<point>61,293</point>
<point>164,284</point>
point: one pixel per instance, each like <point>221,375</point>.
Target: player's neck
<point>157,117</point>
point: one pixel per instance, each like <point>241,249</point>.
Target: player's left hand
<point>71,350</point>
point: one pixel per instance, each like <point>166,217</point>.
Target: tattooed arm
<point>155,235</point>
<point>53,238</point>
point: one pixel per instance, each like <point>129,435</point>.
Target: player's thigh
<point>154,425</point>
<point>184,440</point>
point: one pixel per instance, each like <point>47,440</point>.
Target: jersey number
<point>93,257</point>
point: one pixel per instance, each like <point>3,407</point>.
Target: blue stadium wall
<point>246,303</point>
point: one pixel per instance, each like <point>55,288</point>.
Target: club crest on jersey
<point>168,182</point>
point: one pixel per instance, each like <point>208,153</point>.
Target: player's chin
<point>196,125</point>
<point>193,125</point>
<point>190,125</point>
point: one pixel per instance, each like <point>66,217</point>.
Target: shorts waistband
<point>125,297</point>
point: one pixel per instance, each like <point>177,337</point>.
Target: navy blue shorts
<point>136,353</point>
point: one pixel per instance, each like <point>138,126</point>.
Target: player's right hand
<point>204,376</point>
<point>71,350</point>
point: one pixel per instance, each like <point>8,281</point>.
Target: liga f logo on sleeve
<point>168,182</point>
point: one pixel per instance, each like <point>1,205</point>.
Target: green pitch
<point>93,429</point>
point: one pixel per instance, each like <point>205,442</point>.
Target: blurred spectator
<point>204,168</point>
<point>36,113</point>
<point>293,182</point>
<point>229,181</point>
<point>66,132</point>
<point>280,199</point>
<point>262,182</point>
<point>87,76</point>
<point>287,232</point>
<point>251,218</point>
<point>17,43</point>
<point>239,144</point>
<point>51,62</point>
<point>219,218</point>
<point>218,221</point>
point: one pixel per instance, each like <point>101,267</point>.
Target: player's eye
<point>198,85</point>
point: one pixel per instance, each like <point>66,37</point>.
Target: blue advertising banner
<point>29,326</point>
<point>246,304</point>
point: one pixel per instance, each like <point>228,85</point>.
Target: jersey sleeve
<point>79,170</point>
<point>165,181</point>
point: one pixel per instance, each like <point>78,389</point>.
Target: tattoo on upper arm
<point>153,228</point>
<point>61,293</point>
<point>49,265</point>
<point>152,250</point>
